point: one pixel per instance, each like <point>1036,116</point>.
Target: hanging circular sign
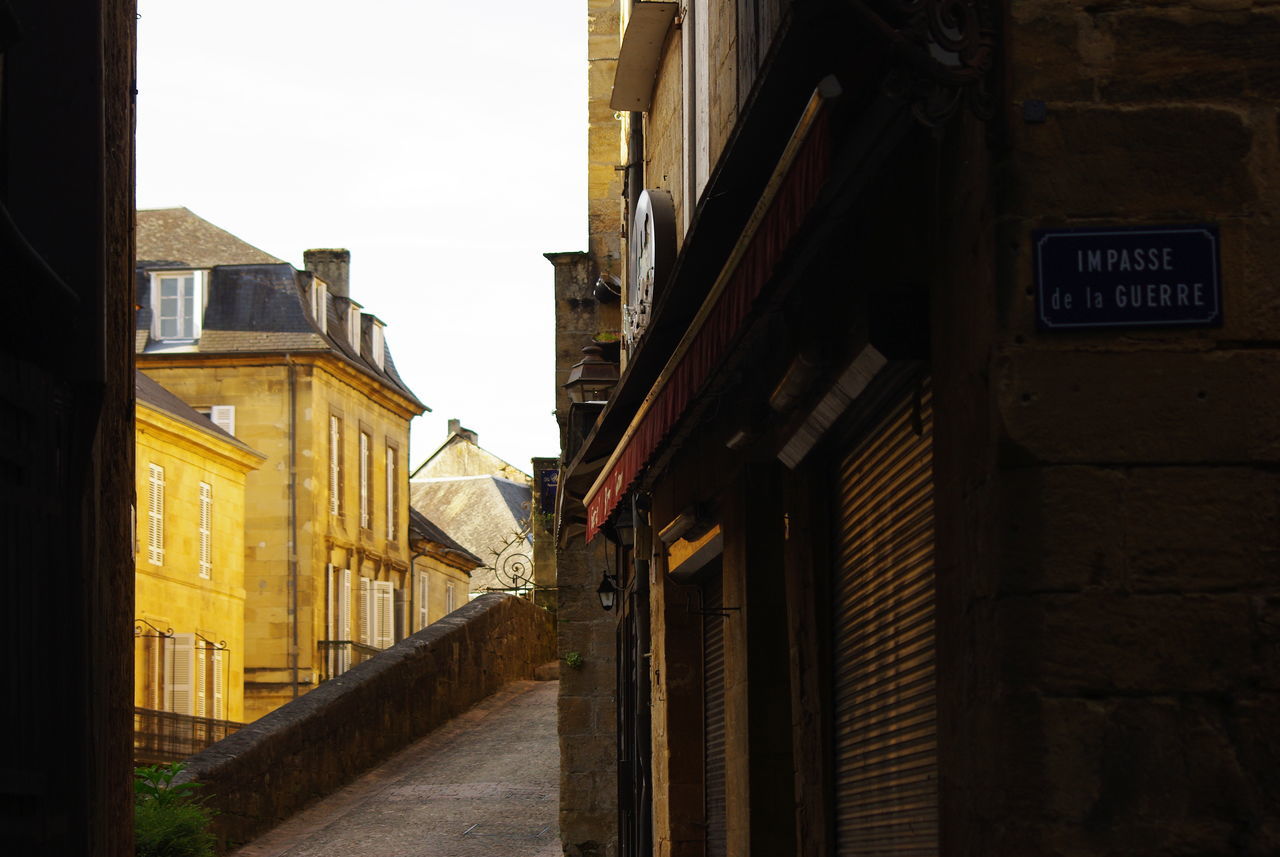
<point>651,249</point>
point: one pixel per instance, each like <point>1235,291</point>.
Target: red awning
<point>790,194</point>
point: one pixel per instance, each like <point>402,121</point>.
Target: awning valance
<point>791,192</point>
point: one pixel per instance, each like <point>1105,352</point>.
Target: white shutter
<point>155,515</point>
<point>219,705</point>
<point>335,466</point>
<point>383,614</point>
<point>178,674</point>
<point>366,636</point>
<point>201,682</point>
<point>420,600</point>
<point>206,529</point>
<point>155,671</point>
<point>364,481</point>
<point>344,614</point>
<point>224,417</point>
<point>448,598</point>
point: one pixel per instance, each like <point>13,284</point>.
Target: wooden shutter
<point>345,615</point>
<point>201,681</point>
<point>155,514</point>
<point>885,703</point>
<point>420,600</point>
<point>383,614</point>
<point>206,529</point>
<point>224,417</point>
<point>366,635</point>
<point>219,708</point>
<point>713,715</point>
<point>179,669</point>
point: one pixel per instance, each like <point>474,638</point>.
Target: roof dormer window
<point>377,351</point>
<point>177,305</point>
<point>353,325</point>
<point>320,303</point>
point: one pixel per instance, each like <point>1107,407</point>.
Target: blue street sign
<point>1148,276</point>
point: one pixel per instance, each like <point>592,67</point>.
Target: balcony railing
<point>163,736</point>
<point>338,656</point>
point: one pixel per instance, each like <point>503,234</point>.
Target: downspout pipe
<point>293,521</point>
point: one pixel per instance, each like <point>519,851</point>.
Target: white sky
<point>444,144</point>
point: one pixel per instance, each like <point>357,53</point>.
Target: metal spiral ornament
<point>512,565</point>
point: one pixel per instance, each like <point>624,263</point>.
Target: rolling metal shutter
<point>713,712</point>
<point>884,694</point>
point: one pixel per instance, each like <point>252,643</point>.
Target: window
<point>208,682</point>
<point>224,417</point>
<point>320,304</point>
<point>448,598</point>
<point>177,304</point>
<point>206,530</point>
<point>155,515</point>
<point>383,613</point>
<point>420,601</point>
<point>696,70</point>
<point>339,652</point>
<point>376,349</point>
<point>335,465</point>
<point>377,613</point>
<point>179,695</point>
<point>366,464</point>
<point>353,325</point>
<point>393,495</point>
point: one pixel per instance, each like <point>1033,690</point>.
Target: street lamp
<point>607,591</point>
<point>592,378</point>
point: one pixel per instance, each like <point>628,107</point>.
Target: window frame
<point>391,472</point>
<point>155,514</point>
<point>365,451</point>
<point>199,300</point>
<point>336,505</point>
<point>205,531</point>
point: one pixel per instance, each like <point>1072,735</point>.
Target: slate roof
<point>258,306</point>
<point>421,527</point>
<point>155,396</point>
<point>482,512</point>
<point>177,237</point>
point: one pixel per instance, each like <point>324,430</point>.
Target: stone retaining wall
<point>273,767</point>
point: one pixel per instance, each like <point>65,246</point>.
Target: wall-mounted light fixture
<point>592,378</point>
<point>607,591</point>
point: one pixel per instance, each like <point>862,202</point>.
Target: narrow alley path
<point>483,785</point>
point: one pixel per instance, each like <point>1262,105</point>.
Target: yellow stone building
<point>292,366</point>
<point>442,571</point>
<point>189,625</point>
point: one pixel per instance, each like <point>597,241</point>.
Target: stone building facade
<point>305,377</point>
<point>189,615</point>
<point>912,551</point>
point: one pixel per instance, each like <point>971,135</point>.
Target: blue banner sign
<point>1149,276</point>
<point>548,482</point>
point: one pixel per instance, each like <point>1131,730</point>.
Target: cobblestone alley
<point>483,785</point>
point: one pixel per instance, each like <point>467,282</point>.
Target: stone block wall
<point>1107,612</point>
<point>304,750</point>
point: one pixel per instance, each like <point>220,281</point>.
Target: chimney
<point>455,427</point>
<point>332,266</point>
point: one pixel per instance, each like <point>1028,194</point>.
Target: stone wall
<point>302,751</point>
<point>1111,582</point>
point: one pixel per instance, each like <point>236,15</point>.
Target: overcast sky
<point>444,144</point>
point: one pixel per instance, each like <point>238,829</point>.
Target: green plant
<point>169,820</point>
<point>573,660</point>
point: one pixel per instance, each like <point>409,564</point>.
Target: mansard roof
<point>255,302</point>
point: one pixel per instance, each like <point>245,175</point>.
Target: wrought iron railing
<point>163,736</point>
<point>338,656</point>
